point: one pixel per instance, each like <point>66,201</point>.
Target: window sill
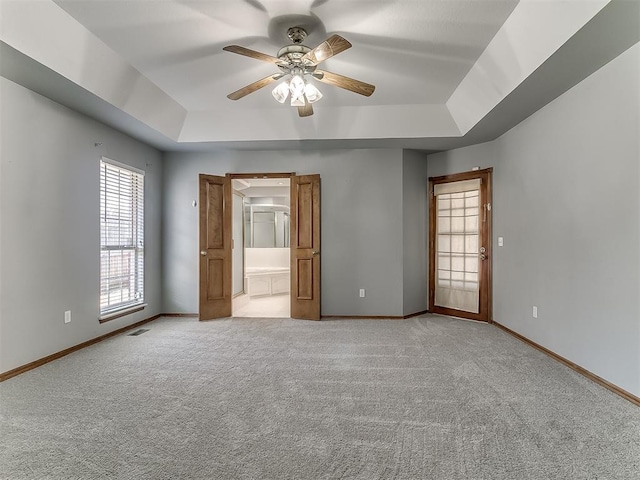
<point>121,313</point>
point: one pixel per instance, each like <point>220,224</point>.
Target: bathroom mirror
<point>266,225</point>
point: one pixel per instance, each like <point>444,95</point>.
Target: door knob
<point>315,253</point>
<point>203,253</point>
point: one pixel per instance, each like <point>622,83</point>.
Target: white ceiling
<point>447,72</point>
<point>414,51</point>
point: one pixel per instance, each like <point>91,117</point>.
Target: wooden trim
<point>417,314</point>
<point>489,246</point>
<point>458,177</point>
<point>181,315</point>
<point>573,366</point>
<point>485,313</point>
<point>261,175</point>
<point>38,363</point>
<point>375,317</point>
<point>451,312</point>
<point>431,252</point>
<point>122,313</point>
<point>363,317</point>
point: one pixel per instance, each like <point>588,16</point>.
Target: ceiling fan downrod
<point>297,34</point>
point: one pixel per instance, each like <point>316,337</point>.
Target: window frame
<point>131,225</point>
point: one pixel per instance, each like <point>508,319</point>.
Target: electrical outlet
<point>535,312</point>
<point>362,293</point>
<point>67,316</point>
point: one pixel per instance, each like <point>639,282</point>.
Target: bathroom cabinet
<point>267,281</point>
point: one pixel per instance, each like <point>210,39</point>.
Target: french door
<point>215,234</point>
<point>305,247</point>
<point>460,245</point>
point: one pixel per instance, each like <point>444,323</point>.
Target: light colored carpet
<point>428,397</point>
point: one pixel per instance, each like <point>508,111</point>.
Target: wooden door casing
<point>305,247</point>
<point>485,313</point>
<point>215,237</point>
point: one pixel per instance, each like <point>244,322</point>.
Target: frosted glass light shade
<point>281,92</point>
<point>296,85</point>
<point>312,93</point>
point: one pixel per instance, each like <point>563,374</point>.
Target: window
<point>121,237</point>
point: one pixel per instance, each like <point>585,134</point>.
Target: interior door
<point>305,247</point>
<point>460,245</point>
<point>215,247</point>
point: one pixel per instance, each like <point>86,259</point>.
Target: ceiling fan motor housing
<point>291,55</point>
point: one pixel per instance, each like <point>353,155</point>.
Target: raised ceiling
<point>415,52</point>
<point>446,72</point>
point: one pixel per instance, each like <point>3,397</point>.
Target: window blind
<point>121,237</point>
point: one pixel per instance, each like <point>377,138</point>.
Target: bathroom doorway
<point>261,253</point>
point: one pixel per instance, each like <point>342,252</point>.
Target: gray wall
<point>567,202</point>
<point>362,224</point>
<point>49,217</point>
<point>415,223</point>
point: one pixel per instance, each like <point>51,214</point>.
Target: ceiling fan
<point>297,62</point>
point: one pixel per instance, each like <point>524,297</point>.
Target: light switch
<point>501,241</point>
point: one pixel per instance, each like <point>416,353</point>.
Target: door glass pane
<point>457,248</point>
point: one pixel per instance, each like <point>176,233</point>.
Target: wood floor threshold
<point>573,366</point>
<point>373,317</point>
<point>50,358</point>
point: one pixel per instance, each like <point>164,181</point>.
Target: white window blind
<point>121,237</point>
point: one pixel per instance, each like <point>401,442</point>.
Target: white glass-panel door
<point>458,245</point>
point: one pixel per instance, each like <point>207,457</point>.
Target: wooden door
<point>460,245</point>
<point>305,247</point>
<point>215,247</point>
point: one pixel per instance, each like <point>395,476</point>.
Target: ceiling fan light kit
<point>297,62</point>
<point>301,91</point>
<point>281,92</point>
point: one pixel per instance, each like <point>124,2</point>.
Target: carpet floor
<point>424,398</point>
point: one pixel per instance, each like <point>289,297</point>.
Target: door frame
<point>242,196</point>
<point>313,223</point>
<point>486,279</point>
<point>234,176</point>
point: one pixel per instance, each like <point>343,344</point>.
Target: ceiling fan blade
<point>347,83</point>
<point>305,111</point>
<point>251,53</point>
<point>252,87</point>
<point>330,47</point>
